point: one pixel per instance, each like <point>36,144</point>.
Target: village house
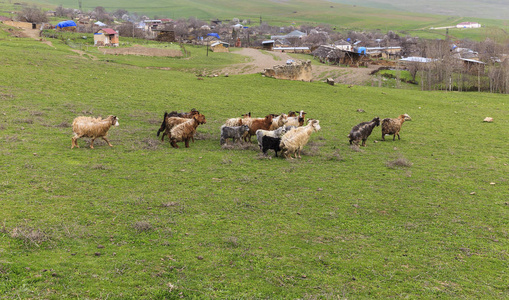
<point>468,25</point>
<point>106,37</point>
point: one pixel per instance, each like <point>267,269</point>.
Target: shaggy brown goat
<point>175,114</point>
<point>92,128</point>
<point>185,131</point>
<point>170,123</point>
<point>256,124</point>
<point>392,126</point>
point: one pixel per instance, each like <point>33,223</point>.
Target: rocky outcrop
<point>294,70</point>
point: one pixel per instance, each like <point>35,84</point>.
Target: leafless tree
<point>32,14</point>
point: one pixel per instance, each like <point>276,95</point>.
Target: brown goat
<point>185,131</point>
<point>171,122</point>
<point>258,123</point>
<point>392,126</point>
<point>92,128</point>
<point>175,114</point>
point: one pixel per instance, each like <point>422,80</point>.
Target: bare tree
<point>32,14</point>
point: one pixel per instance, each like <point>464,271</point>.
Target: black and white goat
<point>362,131</point>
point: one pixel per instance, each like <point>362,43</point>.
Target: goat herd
<point>285,132</point>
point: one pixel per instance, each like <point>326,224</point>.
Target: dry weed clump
<point>200,136</point>
<point>335,156</point>
<point>399,162</point>
<point>100,167</point>
<point>142,226</point>
<point>29,236</point>
<point>240,146</point>
<point>24,121</point>
<point>64,124</point>
<point>170,204</point>
<point>356,148</point>
<point>313,149</point>
<point>151,144</point>
<point>36,113</point>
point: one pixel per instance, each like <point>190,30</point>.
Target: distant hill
<point>489,9</point>
<point>378,14</point>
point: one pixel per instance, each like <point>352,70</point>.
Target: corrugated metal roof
<point>291,48</point>
<point>418,59</point>
<point>472,61</point>
<point>109,31</point>
<point>268,42</point>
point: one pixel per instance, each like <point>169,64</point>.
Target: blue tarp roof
<point>67,23</point>
<point>213,34</point>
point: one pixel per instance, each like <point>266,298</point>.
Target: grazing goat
<point>235,133</point>
<point>296,120</point>
<point>173,114</point>
<point>238,121</point>
<point>185,131</point>
<point>258,123</point>
<point>392,126</point>
<point>269,142</point>
<point>92,128</point>
<point>278,121</point>
<point>362,131</point>
<point>260,133</point>
<point>293,142</point>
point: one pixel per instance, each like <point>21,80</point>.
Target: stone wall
<point>300,70</point>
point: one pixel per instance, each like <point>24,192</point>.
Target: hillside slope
<point>490,9</point>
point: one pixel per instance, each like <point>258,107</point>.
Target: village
<point>352,49</point>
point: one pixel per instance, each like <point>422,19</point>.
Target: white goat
<point>92,128</point>
<point>297,120</point>
<point>293,141</point>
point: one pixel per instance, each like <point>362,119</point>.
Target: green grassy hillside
<point>492,9</point>
<point>421,217</point>
<point>276,12</point>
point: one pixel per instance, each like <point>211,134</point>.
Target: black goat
<point>270,143</point>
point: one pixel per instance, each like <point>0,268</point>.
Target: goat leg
<point>92,143</point>
<point>109,144</point>
<point>186,142</point>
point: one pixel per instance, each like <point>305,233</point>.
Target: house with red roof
<point>106,37</point>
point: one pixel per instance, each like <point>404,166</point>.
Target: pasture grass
<point>417,217</point>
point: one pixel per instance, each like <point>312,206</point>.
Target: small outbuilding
<point>106,37</point>
<point>220,47</point>
<point>68,25</point>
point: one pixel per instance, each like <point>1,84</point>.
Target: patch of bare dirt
<point>34,34</point>
<point>260,61</point>
<point>140,50</point>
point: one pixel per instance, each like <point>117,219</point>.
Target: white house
<point>468,25</point>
